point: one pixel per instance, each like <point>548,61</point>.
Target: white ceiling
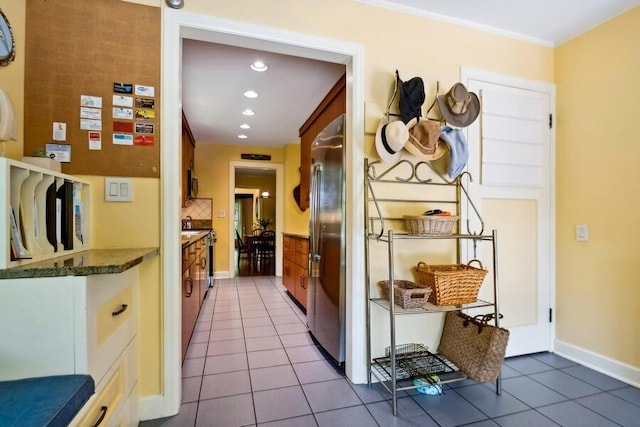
<point>215,76</point>
<point>550,22</point>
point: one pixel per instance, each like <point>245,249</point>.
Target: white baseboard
<point>152,407</point>
<point>614,368</point>
<point>221,275</point>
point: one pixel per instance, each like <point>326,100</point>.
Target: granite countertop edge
<point>302,236</point>
<point>83,263</point>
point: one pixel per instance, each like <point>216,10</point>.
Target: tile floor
<point>252,363</point>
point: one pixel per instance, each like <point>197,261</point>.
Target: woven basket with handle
<point>451,284</point>
<point>473,345</point>
<point>406,294</point>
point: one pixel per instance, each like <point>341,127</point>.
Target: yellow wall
<point>12,76</point>
<point>295,220</point>
<point>598,297</point>
<point>590,105</point>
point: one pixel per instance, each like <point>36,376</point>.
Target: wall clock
<point>7,43</point>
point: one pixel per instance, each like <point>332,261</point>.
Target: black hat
<point>411,98</point>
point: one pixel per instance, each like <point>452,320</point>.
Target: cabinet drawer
<point>302,259</point>
<point>113,314</point>
<point>117,392</point>
<point>287,242</point>
<point>106,403</point>
<point>290,254</point>
<point>302,246</point>
<point>110,326</point>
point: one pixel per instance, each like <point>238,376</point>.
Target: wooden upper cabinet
<point>188,146</point>
<point>333,104</point>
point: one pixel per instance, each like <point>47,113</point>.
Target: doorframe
<point>279,196</point>
<point>546,212</point>
<point>179,24</point>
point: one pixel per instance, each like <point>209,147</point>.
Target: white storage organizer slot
<point>44,214</point>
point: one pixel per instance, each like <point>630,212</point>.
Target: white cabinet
<point>43,214</point>
<point>75,325</point>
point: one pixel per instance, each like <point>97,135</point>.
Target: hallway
<point>251,362</point>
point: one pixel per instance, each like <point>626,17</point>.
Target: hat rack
<point>414,178</point>
<point>393,97</point>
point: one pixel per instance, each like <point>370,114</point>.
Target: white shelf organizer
<point>25,194</point>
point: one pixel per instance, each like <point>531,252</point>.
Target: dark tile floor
<point>252,363</point>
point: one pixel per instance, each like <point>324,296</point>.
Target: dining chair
<point>244,251</point>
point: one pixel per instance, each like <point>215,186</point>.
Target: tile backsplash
<point>199,209</point>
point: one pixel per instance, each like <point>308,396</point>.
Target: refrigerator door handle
<point>315,208</point>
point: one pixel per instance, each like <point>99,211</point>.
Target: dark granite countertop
<point>191,236</point>
<point>85,263</point>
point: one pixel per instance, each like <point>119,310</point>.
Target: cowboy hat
<point>390,138</point>
<point>423,139</point>
<point>459,107</point>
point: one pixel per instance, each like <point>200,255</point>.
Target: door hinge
<point>550,315</point>
<point>550,121</point>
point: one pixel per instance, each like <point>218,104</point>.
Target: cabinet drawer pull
<point>103,413</point>
<point>119,311</point>
<point>190,291</point>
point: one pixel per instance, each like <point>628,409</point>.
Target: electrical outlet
<point>582,232</point>
<point>221,213</point>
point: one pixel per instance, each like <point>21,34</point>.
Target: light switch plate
<point>582,232</point>
<point>117,189</point>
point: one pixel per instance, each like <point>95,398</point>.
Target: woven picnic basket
<point>406,294</point>
<point>430,225</point>
<point>451,284</point>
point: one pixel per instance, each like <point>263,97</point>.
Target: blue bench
<point>44,401</point>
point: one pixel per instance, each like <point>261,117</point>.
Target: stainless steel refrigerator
<point>326,296</point>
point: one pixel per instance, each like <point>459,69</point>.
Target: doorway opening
<point>177,25</point>
<point>254,219</point>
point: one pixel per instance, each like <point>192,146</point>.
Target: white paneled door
<point>511,158</point>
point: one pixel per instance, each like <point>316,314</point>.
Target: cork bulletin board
<point>83,57</point>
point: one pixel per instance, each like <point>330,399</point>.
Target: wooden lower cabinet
<point>194,278</point>
<point>295,267</point>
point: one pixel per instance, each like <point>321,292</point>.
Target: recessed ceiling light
<point>245,126</point>
<point>243,136</point>
<point>259,66</point>
<point>248,112</point>
<point>251,94</point>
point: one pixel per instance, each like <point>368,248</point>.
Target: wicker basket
<point>430,225</point>
<point>453,284</point>
<point>406,294</point>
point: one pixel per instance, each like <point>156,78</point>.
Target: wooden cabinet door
<point>301,283</point>
<point>288,275</point>
<point>188,146</point>
<point>333,104</point>
<point>189,310</point>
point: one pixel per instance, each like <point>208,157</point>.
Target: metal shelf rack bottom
<point>415,364</point>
